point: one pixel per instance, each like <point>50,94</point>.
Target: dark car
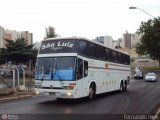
<point>138,74</point>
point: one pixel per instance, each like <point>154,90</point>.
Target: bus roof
<point>82,38</point>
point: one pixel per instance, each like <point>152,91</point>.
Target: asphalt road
<point>141,98</point>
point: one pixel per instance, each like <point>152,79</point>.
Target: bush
<point>151,68</point>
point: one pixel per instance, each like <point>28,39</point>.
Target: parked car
<point>138,74</point>
<point>151,77</point>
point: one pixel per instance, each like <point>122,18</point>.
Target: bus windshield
<point>55,68</point>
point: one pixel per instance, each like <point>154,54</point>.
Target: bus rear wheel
<point>123,86</point>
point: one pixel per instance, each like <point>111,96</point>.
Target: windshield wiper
<point>54,68</point>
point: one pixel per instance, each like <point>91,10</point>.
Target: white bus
<point>77,67</point>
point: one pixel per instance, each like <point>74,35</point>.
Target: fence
<point>15,77</point>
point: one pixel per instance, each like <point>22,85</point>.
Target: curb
<point>15,97</point>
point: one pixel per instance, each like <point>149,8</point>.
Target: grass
<point>151,68</point>
<point>10,81</point>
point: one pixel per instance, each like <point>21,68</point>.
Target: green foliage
<point>17,51</point>
<point>2,56</point>
<point>51,34</point>
<point>151,68</point>
<point>150,40</point>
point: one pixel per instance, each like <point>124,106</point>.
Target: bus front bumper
<point>55,93</point>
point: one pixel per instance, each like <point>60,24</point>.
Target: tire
<point>125,86</point>
<point>121,86</point>
<point>91,91</point>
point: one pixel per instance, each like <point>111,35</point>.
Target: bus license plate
<point>51,93</point>
<point>58,94</point>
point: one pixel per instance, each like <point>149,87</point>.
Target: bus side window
<point>85,68</point>
<point>80,69</point>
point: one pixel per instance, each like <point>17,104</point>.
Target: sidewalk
<point>16,95</point>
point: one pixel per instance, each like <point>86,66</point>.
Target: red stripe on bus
<point>119,65</point>
<point>117,69</point>
<point>97,67</point>
<point>107,68</point>
<point>72,83</point>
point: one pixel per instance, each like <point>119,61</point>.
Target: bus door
<point>82,72</point>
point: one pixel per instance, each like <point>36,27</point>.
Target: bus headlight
<point>37,92</point>
<point>69,93</point>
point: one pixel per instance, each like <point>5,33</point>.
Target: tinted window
<point>91,50</point>
<point>114,56</point>
<point>128,60</point>
<point>107,54</point>
<point>100,52</point>
<point>110,55</point>
<point>82,48</point>
<point>121,58</point>
<point>85,68</point>
<point>80,69</point>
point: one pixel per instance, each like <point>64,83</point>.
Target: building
<point>127,40</point>
<point>2,42</point>
<point>27,36</point>
<point>135,38</point>
<point>106,40</point>
<point>11,34</point>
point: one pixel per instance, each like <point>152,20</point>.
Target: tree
<point>17,51</point>
<point>50,32</point>
<point>150,40</point>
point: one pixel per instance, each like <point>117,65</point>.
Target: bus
<point>75,67</point>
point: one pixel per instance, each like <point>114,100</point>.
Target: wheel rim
<point>125,86</point>
<point>91,92</point>
<point>121,87</point>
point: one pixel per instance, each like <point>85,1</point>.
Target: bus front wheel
<point>91,91</point>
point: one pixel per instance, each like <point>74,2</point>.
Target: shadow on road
<point>80,100</point>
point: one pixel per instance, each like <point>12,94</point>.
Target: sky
<point>81,18</point>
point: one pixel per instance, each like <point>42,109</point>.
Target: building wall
<point>26,36</point>
<point>127,40</point>
<point>135,38</point>
<point>8,36</point>
<point>106,40</point>
<point>11,34</point>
